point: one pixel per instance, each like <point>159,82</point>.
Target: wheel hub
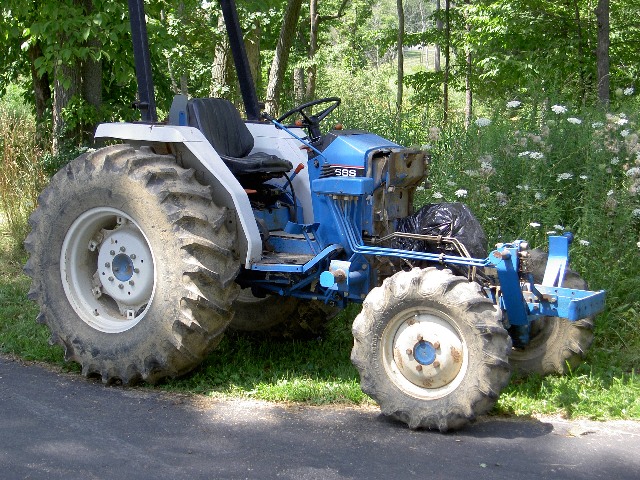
<point>427,351</point>
<point>125,268</point>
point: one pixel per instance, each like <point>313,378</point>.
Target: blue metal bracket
<point>505,260</point>
<point>557,261</point>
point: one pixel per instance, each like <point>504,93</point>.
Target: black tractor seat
<point>220,122</point>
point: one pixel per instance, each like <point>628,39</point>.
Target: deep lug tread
<point>201,306</point>
<point>477,321</point>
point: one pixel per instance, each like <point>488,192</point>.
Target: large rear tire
<point>132,264</point>
<point>431,349</point>
<point>556,344</point>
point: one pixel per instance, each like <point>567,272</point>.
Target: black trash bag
<point>445,219</point>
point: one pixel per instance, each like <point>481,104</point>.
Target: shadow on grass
<point>316,371</point>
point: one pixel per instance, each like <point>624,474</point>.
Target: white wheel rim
<point>424,354</point>
<point>107,270</point>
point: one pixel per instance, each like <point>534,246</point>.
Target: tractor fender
<point>194,151</point>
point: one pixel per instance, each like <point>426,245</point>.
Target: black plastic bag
<point>445,219</point>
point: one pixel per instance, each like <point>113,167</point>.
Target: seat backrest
<point>220,122</point>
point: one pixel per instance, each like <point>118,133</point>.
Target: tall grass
<point>21,174</point>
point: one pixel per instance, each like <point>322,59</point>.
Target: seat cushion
<point>258,162</point>
<point>220,122</point>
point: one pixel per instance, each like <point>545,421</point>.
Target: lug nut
<point>420,338</point>
<point>112,253</point>
<point>111,279</point>
<point>136,270</point>
<point>133,256</point>
<point>436,345</point>
<point>107,264</point>
<point>131,282</point>
<point>120,286</point>
<point>122,249</point>
<point>436,363</point>
<point>419,368</point>
<point>409,351</point>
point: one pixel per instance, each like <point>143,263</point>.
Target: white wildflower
<point>436,195</point>
<point>524,154</point>
<point>615,161</point>
<point>597,125</point>
<point>461,193</point>
<point>636,213</point>
<point>638,244</point>
<point>551,232</point>
<point>534,224</point>
<point>558,227</point>
<point>633,172</point>
<point>519,187</point>
<point>502,199</point>
<point>451,183</point>
<point>483,122</point>
<point>538,196</point>
<point>584,177</point>
<point>574,120</point>
<point>609,193</point>
<point>514,104</point>
<point>628,91</point>
<point>564,176</point>
<point>625,133</point>
<point>420,188</point>
<point>536,155</point>
<point>622,121</point>
<point>584,243</point>
<point>558,109</point>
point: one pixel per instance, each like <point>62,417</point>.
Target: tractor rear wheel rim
<point>107,270</point>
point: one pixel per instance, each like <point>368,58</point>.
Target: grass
<point>599,209</point>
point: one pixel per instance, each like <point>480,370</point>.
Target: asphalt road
<point>64,426</point>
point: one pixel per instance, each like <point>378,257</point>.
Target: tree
<point>602,51</point>
<point>279,64</point>
<point>400,54</point>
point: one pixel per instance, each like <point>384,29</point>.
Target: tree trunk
<point>436,58</point>
<point>399,48</point>
<point>602,51</point>
<point>66,85</point>
<point>281,57</point>
<point>447,62</point>
<point>41,89</point>
<point>468,107</point>
<point>314,19</point>
<point>219,72</point>
<point>252,47</point>
<point>299,87</point>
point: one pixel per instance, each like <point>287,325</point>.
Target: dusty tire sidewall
<point>458,320</point>
<point>115,190</point>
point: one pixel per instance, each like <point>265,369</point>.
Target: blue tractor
<point>143,253</point>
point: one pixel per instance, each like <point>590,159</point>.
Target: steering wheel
<point>312,122</point>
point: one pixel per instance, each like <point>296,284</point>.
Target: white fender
<point>194,151</point>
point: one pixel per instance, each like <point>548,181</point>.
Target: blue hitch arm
<point>526,301</point>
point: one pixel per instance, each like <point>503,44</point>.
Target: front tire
<point>132,264</point>
<point>431,349</point>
